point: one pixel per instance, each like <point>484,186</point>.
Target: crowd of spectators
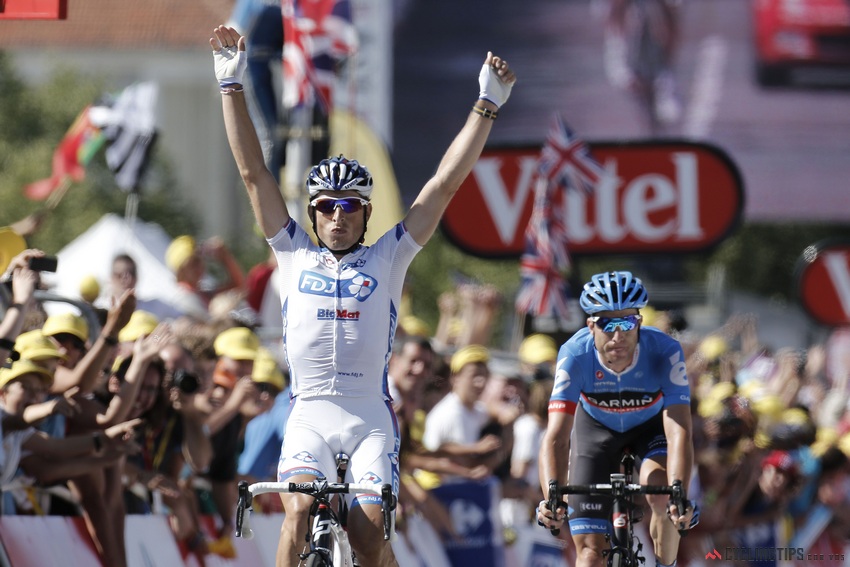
<point>124,405</point>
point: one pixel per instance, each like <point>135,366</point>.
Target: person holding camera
<point>233,398</point>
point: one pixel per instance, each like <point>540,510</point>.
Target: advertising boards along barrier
<point>657,197</point>
<point>823,281</point>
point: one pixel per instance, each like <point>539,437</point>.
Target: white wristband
<point>230,65</point>
<point>492,87</point>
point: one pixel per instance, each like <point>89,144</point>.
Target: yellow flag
<point>354,139</point>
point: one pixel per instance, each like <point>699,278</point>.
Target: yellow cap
<point>752,389</point>
<point>180,250</point>
<point>710,407</point>
<point>468,355</point>
<point>825,437</point>
<point>33,345</point>
<point>267,370</point>
<point>649,316</point>
<point>21,367</point>
<point>415,327</point>
<point>66,323</point>
<point>768,406</point>
<point>89,288</point>
<point>713,347</point>
<point>794,416</point>
<point>238,343</point>
<point>537,349</point>
<point>141,323</point>
<point>11,244</point>
<point>721,391</point>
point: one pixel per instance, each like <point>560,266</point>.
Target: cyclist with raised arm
<point>340,301</point>
<point>617,386</point>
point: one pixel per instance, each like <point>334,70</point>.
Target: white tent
<point>91,254</point>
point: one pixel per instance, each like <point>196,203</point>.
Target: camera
<point>186,382</point>
<point>43,263</point>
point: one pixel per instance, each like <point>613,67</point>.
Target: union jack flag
<point>565,163</point>
<point>566,159</point>
<point>317,35</point>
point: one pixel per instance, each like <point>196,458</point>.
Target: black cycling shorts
<point>595,453</point>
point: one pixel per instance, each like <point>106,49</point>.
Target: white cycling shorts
<point>320,428</point>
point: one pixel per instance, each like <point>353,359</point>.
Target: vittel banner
<point>656,197</point>
<point>823,281</point>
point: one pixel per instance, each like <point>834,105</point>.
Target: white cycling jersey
<point>340,317</point>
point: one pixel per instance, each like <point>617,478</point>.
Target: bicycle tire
<point>616,559</point>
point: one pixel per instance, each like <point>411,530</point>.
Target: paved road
<point>792,145</point>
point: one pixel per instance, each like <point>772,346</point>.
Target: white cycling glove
<point>492,87</point>
<point>230,65</point>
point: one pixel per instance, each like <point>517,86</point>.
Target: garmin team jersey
<point>340,317</point>
<point>620,401</point>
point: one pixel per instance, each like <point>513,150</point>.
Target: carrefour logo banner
<point>474,513</point>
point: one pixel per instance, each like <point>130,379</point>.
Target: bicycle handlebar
<point>676,492</point>
<point>319,488</point>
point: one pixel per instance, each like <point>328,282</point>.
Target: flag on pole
<point>317,36</point>
<point>566,160</point>
<point>128,122</point>
<point>565,163</point>
<point>76,149</point>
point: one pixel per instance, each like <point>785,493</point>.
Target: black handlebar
<point>243,503</point>
<point>676,492</point>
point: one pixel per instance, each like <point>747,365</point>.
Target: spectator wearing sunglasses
<point>618,386</point>
<point>340,299</point>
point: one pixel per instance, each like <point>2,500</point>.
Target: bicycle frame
<point>625,548</point>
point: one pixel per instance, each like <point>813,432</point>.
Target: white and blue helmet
<point>339,174</point>
<point>613,291</point>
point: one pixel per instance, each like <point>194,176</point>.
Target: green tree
<point>33,120</point>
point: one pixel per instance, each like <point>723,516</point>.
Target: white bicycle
<point>328,544</point>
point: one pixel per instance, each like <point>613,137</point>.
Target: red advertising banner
<point>658,197</point>
<point>33,9</point>
<point>823,282</point>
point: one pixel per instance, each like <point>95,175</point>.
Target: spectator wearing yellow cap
<point>264,433</point>
<point>141,324</point>
<point>46,458</point>
<point>233,398</point>
<point>36,347</point>
<point>188,261</point>
<point>538,354</point>
<point>86,357</point>
<point>454,425</point>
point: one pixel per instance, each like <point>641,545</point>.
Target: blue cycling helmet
<point>339,174</point>
<point>613,291</point>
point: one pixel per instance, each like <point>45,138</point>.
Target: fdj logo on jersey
<point>359,285</point>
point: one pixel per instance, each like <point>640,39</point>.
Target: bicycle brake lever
<point>243,503</point>
<point>552,504</point>
<point>681,507</point>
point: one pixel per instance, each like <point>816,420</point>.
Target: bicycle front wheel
<point>616,559</point>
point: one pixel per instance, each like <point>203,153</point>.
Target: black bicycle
<point>625,547</point>
<point>327,540</point>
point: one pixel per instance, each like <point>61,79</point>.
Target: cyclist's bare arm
<point>554,457</point>
<point>263,191</point>
<point>424,216</point>
<point>680,447</point>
